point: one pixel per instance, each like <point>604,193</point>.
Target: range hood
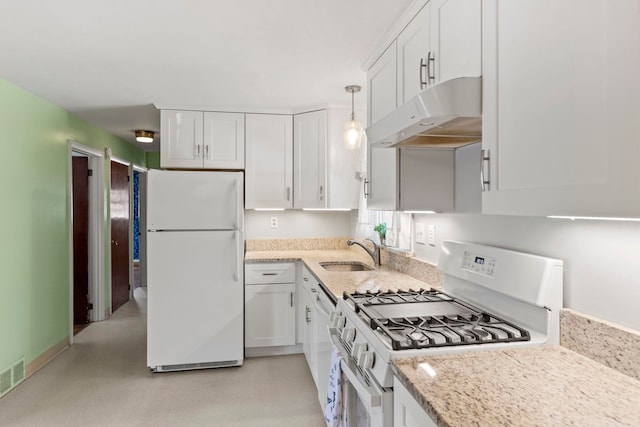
<point>447,115</point>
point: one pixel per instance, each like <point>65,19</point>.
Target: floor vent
<point>189,366</point>
<point>11,377</point>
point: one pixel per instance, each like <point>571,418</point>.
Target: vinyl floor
<point>103,380</point>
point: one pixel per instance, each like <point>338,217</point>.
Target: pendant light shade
<point>353,129</point>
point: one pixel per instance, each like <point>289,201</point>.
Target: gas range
<point>491,298</point>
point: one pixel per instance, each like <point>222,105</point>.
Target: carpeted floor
<point>103,380</point>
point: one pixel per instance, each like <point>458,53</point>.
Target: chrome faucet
<point>375,253</point>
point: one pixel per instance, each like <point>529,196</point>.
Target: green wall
<point>34,218</point>
<point>153,160</point>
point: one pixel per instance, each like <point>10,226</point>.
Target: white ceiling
<point>110,61</point>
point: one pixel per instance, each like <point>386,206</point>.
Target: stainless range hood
<point>447,115</point>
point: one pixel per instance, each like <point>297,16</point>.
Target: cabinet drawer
<point>258,274</point>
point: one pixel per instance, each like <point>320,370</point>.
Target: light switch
<point>431,235</point>
<point>274,222</point>
<point>420,237</point>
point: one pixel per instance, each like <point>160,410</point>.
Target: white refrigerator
<point>195,239</point>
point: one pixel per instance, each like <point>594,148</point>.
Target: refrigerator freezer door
<point>195,299</point>
<point>182,200</point>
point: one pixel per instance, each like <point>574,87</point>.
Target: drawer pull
<point>269,274</point>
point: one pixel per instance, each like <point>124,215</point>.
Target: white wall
<point>297,224</point>
<point>601,258</point>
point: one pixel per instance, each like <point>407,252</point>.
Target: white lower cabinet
<point>407,412</point>
<point>269,305</point>
<point>309,344</point>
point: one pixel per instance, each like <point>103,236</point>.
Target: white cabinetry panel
<point>406,410</point>
<point>559,123</point>
<point>310,161</point>
<point>270,315</point>
<point>269,155</point>
<point>223,140</point>
<point>181,139</point>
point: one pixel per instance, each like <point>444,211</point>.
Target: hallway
<point>102,380</point>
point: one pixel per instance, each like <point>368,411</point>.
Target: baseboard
<point>47,356</point>
<point>273,351</point>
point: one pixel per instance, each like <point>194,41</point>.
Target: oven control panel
<point>479,263</point>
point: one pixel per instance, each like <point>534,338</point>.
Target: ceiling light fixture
<point>145,136</point>
<point>353,128</point>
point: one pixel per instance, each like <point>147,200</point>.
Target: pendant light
<point>145,136</point>
<point>352,129</point>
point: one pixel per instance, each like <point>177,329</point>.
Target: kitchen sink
<point>345,266</point>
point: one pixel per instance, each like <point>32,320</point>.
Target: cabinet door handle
<point>430,58</point>
<point>291,293</point>
<point>306,279</point>
<point>321,192</point>
<point>288,194</point>
<point>423,66</point>
<point>198,150</point>
<point>366,193</point>
<point>484,157</point>
<point>306,314</point>
<point>206,151</point>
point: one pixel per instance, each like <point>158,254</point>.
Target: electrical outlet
<point>420,238</point>
<point>431,235</point>
<point>274,222</point>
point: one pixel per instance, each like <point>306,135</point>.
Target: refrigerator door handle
<point>239,216</point>
<point>238,272</point>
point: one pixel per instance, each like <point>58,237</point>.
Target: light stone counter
<point>336,283</point>
<point>540,386</point>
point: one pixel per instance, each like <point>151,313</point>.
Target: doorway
<point>138,227</point>
<point>86,236</point>
<point>119,221</point>
<point>80,214</point>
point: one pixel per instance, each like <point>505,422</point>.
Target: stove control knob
<point>348,334</point>
<point>358,349</point>
<point>339,321</point>
<point>366,359</point>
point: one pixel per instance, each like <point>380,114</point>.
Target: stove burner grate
<point>441,331</point>
<point>474,326</point>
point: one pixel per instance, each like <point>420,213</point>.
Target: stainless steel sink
<point>345,266</point>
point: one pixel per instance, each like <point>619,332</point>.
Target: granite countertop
<point>538,386</point>
<point>336,282</point>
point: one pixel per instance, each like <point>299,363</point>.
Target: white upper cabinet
<point>561,107</point>
<point>269,155</point>
<point>381,82</point>
<point>223,140</point>
<point>442,42</point>
<point>310,160</point>
<point>455,42</point>
<point>181,144</point>
<point>197,140</point>
<point>382,163</point>
<point>412,50</point>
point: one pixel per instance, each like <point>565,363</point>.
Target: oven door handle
<point>370,395</point>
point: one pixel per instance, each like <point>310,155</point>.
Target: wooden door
<point>119,235</point>
<point>80,184</point>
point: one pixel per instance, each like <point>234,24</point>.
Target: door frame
<point>142,193</point>
<point>96,231</point>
